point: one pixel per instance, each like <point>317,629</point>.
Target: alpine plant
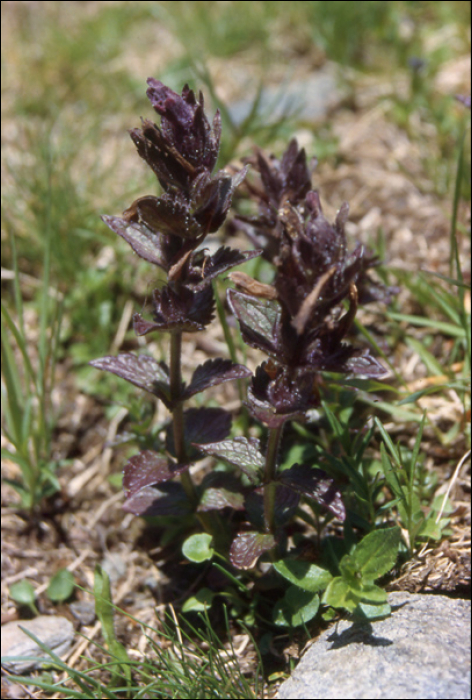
<point>301,323</point>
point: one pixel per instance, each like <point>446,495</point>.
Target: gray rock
<point>421,651</point>
<point>55,632</point>
<point>309,98</point>
<point>83,611</point>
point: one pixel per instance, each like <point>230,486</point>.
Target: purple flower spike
<point>185,125</point>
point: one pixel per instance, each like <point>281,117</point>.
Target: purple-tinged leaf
<point>172,170</point>
<point>211,199</point>
<point>145,243</point>
<point>212,373</point>
<point>366,365</point>
<point>143,327</point>
<point>264,412</point>
<point>316,484</point>
<point>178,311</point>
<point>259,320</point>
<point>141,370</point>
<point>247,547</point>
<point>169,215</point>
<point>224,259</point>
<point>201,425</point>
<point>148,468</point>
<point>289,391</point>
<point>241,452</point>
<point>204,425</point>
<point>168,499</point>
<point>221,490</point>
<point>286,503</point>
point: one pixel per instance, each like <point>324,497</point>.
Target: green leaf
<point>23,593</point>
<point>198,547</point>
<point>370,593</point>
<point>364,611</point>
<point>410,512</point>
<point>338,594</point>
<point>61,586</point>
<point>377,553</point>
<point>304,575</point>
<point>349,570</point>
<point>200,602</point>
<point>20,340</point>
<point>432,530</point>
<point>296,608</point>
<point>23,463</point>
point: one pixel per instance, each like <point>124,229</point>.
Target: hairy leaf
<point>241,452</point>
<point>221,490</point>
<point>315,484</point>
<point>212,373</point>
<point>266,413</point>
<point>201,426</point>
<point>286,503</point>
<point>178,311</point>
<point>258,319</point>
<point>169,215</point>
<point>366,365</point>
<point>224,259</point>
<point>141,370</point>
<point>147,468</point>
<point>167,499</point>
<point>145,243</point>
<point>247,547</point>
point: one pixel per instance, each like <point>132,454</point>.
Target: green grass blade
<point>449,280</point>
<point>431,363</point>
<point>20,339</point>
<point>104,610</point>
<point>437,326</point>
<point>388,442</point>
<point>12,390</point>
<point>454,250</point>
<point>415,453</point>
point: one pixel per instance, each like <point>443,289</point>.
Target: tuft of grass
<point>182,661</point>
<point>28,381</point>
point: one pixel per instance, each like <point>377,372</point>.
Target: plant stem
<point>175,370</point>
<point>273,444</point>
<point>232,353</point>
